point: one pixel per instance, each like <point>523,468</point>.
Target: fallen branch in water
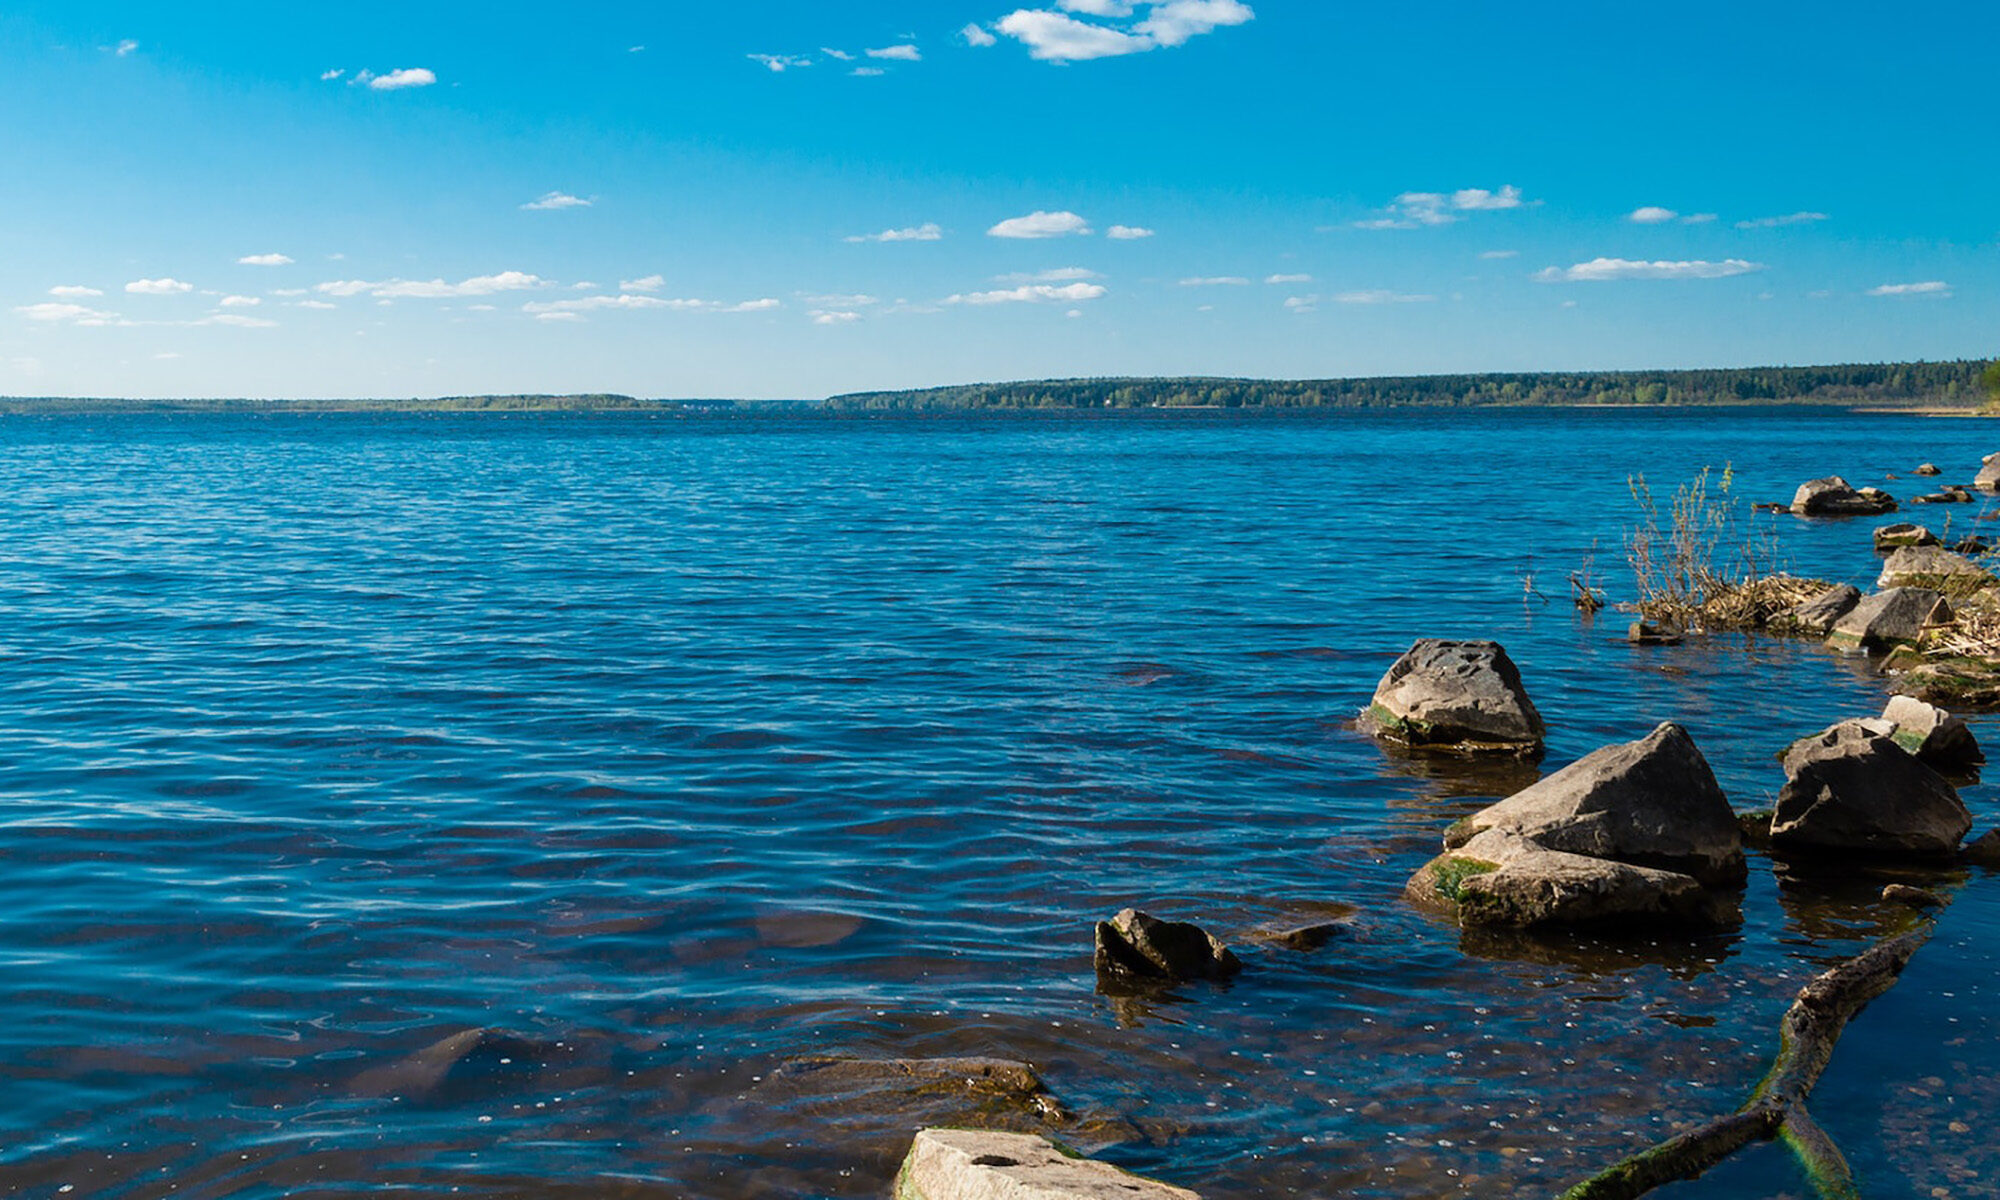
<point>1777,1108</point>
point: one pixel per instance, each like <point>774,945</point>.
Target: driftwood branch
<point>1777,1108</point>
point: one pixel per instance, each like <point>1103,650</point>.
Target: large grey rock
<point>1988,478</point>
<point>1933,567</point>
<point>1889,537</point>
<point>969,1164</point>
<point>1502,878</point>
<point>1134,947</point>
<point>1936,737</point>
<point>1816,617</point>
<point>1887,619</point>
<point>1852,788</point>
<point>1456,695</point>
<point>1649,803</point>
<point>1832,497</point>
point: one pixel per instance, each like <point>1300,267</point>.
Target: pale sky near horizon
<point>790,199</point>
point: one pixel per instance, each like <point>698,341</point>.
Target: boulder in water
<point>1134,947</point>
<point>1887,619</point>
<point>1853,789</point>
<point>1816,617</point>
<point>1889,537</point>
<point>1833,497</point>
<point>1652,803</point>
<point>1463,696</point>
<point>1501,878</point>
<point>1936,737</point>
<point>1927,469</point>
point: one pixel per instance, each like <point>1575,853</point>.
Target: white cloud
<point>976,35</point>
<point>125,48</point>
<point>291,291</point>
<point>240,302</point>
<point>264,260</point>
<point>635,50</point>
<point>1176,21</point>
<point>318,304</point>
<point>1215,281</point>
<point>556,200</point>
<point>66,312</point>
<point>435,289</point>
<point>1413,210</point>
<point>835,318</point>
<point>1033,293</point>
<point>842,55</point>
<point>648,283</point>
<point>1499,254</point>
<point>629,301</point>
<point>398,79</point>
<point>1053,37</point>
<point>1126,233</point>
<point>558,316</point>
<point>780,63</point>
<point>1651,214</point>
<point>764,305</point>
<point>1288,279</point>
<point>1302,304</point>
<point>1040,224</point>
<point>867,72</point>
<point>330,76</point>
<point>902,53</point>
<point>1097,8</point>
<point>850,300</point>
<point>1932,287</point>
<point>74,291</point>
<point>1381,297</point>
<point>158,287</point>
<point>1053,275</point>
<point>1601,269</point>
<point>1797,218</point>
<point>1697,218</point>
<point>927,232</point>
<point>236,320</point>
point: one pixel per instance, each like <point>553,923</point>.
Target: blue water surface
<point>677,747</point>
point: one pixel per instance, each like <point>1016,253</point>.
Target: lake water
<point>694,745</point>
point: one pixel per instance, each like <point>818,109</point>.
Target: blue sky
<point>787,199</point>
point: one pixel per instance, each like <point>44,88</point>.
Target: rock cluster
<point>1833,497</point>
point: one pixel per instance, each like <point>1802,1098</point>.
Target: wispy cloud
<point>1797,218</point>
<point>552,201</point>
<point>315,304</point>
<point>433,289</point>
<point>780,63</point>
<point>842,300</point>
<point>1302,304</point>
<point>900,53</point>
<point>630,301</point>
<point>330,76</point>
<point>927,232</point>
<point>1215,281</point>
<point>1493,255</point>
<point>158,287</point>
<point>1598,270</point>
<point>645,283</point>
<point>1126,233</point>
<point>264,260</point>
<point>1034,293</point>
<point>1060,38</point>
<point>240,302</point>
<point>1381,297</point>
<point>1052,275</point>
<point>75,313</point>
<point>1651,214</point>
<point>126,48</point>
<point>838,55</point>
<point>976,35</point>
<point>1040,224</point>
<point>1936,288</point>
<point>235,321</point>
<point>1416,210</point>
<point>834,317</point>
<point>1288,279</point>
<point>397,80</point>
<point>74,291</point>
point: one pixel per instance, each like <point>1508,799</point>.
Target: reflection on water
<point>495,806</point>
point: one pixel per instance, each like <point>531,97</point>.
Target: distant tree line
<point>1957,383</point>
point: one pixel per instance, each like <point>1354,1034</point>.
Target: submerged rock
<point>1650,633</point>
<point>1652,802</point>
<point>1833,497</point>
<point>1933,567</point>
<point>1888,618</point>
<point>1501,878</point>
<point>471,1062</point>
<point>1983,851</point>
<point>1464,696</point>
<point>1134,947</point>
<point>965,1164</point>
<point>1962,682</point>
<point>1938,739</point>
<point>1915,897</point>
<point>1854,789</point>
<point>1816,617</point>
<point>975,1090</point>
<point>1889,537</point>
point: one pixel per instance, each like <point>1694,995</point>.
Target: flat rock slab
<point>1933,567</point>
<point>1852,789</point>
<point>1503,879</point>
<point>1888,619</point>
<point>963,1164</point>
<point>1890,537</point>
<point>1817,616</point>
<point>1464,696</point>
<point>1651,803</point>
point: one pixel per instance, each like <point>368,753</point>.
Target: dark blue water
<point>692,745</point>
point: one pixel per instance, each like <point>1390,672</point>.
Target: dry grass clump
<point>1707,563</point>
